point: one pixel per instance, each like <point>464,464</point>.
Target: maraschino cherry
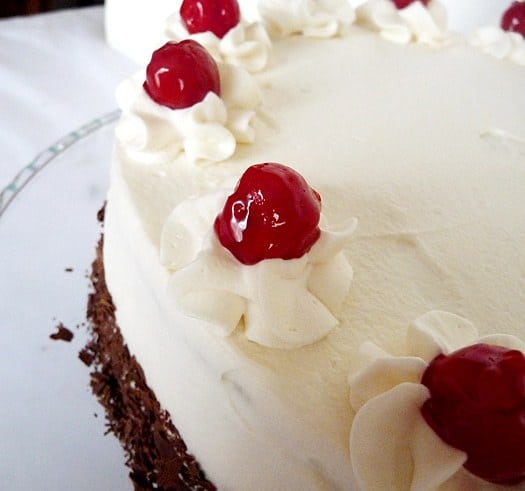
<point>401,4</point>
<point>477,404</point>
<point>514,18</point>
<point>181,74</point>
<point>217,16</point>
<point>273,213</point>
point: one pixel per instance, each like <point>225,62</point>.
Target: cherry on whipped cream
<point>217,16</point>
<point>477,404</point>
<point>273,213</point>
<point>513,18</point>
<point>401,4</point>
<point>181,74</point>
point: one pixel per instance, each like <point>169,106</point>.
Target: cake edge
<point>155,452</point>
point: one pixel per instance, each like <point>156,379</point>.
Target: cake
<point>319,358</point>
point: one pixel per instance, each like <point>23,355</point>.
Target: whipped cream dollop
<point>313,18</point>
<point>278,303</point>
<point>499,43</point>
<point>246,45</point>
<point>386,393</point>
<point>414,23</point>
<point>209,130</point>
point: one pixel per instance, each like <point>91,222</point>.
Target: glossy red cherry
<point>273,213</point>
<point>181,74</point>
<point>401,4</point>
<point>217,16</point>
<point>514,18</point>
<point>477,404</point>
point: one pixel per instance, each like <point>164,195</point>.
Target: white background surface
<point>56,73</point>
<point>51,427</point>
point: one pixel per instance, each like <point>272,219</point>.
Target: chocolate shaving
<point>86,356</point>
<point>155,451</point>
<point>101,213</point>
<point>62,334</point>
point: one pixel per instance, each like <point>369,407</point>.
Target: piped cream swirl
<point>246,45</point>
<point>386,393</point>
<point>280,303</point>
<point>501,44</point>
<point>318,19</point>
<point>414,23</point>
<point>209,130</point>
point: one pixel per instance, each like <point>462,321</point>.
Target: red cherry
<point>514,18</point>
<point>181,74</point>
<point>217,16</point>
<point>273,213</point>
<point>477,404</point>
<point>401,4</point>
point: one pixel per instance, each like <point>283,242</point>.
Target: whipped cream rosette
<point>207,130</point>
<point>279,303</point>
<point>426,24</point>
<point>387,394</point>
<point>499,43</point>
<point>318,19</point>
<point>246,45</point>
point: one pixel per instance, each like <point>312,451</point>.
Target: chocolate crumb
<point>86,357</point>
<point>155,452</point>
<point>101,213</point>
<point>62,334</point>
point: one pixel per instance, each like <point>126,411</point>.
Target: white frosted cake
<point>315,369</point>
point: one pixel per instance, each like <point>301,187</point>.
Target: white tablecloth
<point>56,73</point>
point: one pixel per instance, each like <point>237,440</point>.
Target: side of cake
<point>415,142</point>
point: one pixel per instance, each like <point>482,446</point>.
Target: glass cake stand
<point>51,427</point>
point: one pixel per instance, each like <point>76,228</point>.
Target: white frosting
<point>246,45</point>
<point>281,303</point>
<point>314,18</point>
<point>499,43</point>
<point>209,130</point>
<point>414,23</point>
<point>425,147</point>
<point>387,395</point>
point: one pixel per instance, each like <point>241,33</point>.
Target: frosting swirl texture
<point>246,45</point>
<point>208,130</point>
<point>320,19</point>
<point>280,303</point>
<point>387,395</point>
<point>501,44</point>
<point>415,23</point>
